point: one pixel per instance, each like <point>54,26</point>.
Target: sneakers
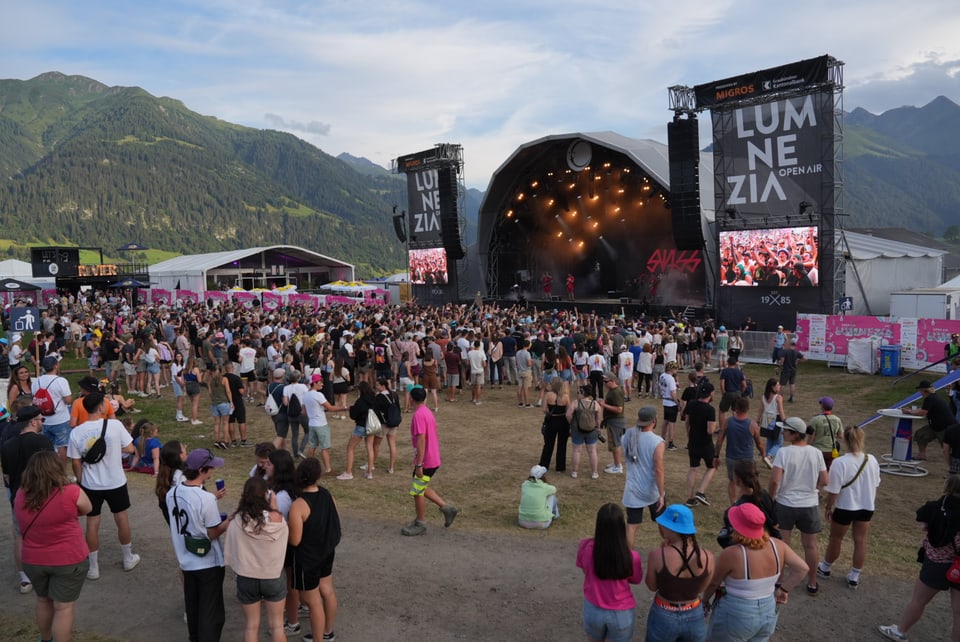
<point>363,467</point>
<point>671,446</point>
<point>614,470</point>
<point>700,497</point>
<point>195,422</point>
<point>821,572</point>
<point>291,628</point>
<point>594,475</point>
<point>303,611</point>
<point>93,573</point>
<point>245,444</point>
<point>574,474</point>
<point>130,564</point>
<point>181,418</point>
<point>813,590</point>
<point>327,637</point>
<point>25,587</point>
<point>692,502</point>
<point>768,460</point>
<point>892,632</point>
<point>345,476</point>
<point>449,514</point>
<point>416,527</point>
<point>854,584</point>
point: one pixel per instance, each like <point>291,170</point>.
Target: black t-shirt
<point>700,413</point>
<point>17,451</point>
<point>236,385</point>
<point>129,351</point>
<point>790,359</point>
<point>952,439</point>
<point>110,350</point>
<point>938,412</point>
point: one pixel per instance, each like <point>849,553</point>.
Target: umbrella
<point>13,285</point>
<point>129,283</point>
<point>132,247</point>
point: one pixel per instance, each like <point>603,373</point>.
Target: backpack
<point>294,408</point>
<point>271,407</point>
<point>394,416</point>
<point>98,450</point>
<point>584,418</point>
<point>43,400</point>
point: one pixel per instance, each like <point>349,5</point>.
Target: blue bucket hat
<point>678,518</point>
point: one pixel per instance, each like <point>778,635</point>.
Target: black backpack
<point>294,408</point>
<point>394,416</point>
<point>99,448</point>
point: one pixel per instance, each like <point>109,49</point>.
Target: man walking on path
<point>703,423</point>
<point>644,486</point>
<point>426,462</point>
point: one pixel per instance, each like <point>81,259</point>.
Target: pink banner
<point>272,301</point>
<point>159,296</point>
<point>841,329</point>
<point>217,296</point>
<point>49,296</point>
<point>243,298</point>
<point>932,336</point>
<point>331,299</point>
<point>376,297</point>
<point>188,296</point>
<point>143,294</point>
<point>307,300</point>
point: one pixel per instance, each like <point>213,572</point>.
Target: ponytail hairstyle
<point>148,429</point>
<point>745,471</point>
<point>170,462</point>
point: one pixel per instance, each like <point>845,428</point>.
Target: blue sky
<point>384,78</point>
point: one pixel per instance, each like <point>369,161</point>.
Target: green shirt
<point>533,501</point>
<point>826,430</point>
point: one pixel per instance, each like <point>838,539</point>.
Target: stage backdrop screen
<point>774,258</point>
<point>428,267</point>
<point>423,225</point>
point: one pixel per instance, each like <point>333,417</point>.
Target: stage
<point>605,306</point>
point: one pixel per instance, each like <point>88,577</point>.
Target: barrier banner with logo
<point>159,296</point>
<point>272,301</point>
<point>308,301</point>
<point>188,296</point>
<point>219,297</point>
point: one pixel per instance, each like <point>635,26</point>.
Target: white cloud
<point>388,77</point>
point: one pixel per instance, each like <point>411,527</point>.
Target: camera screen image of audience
<point>783,257</point>
<point>428,267</point>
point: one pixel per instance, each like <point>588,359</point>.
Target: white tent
<point>875,267</point>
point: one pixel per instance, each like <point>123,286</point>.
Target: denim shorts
<point>220,410</point>
<point>736,618</point>
<point>153,368</point>
<point>360,431</point>
<point>59,434</point>
<point>578,438</point>
<point>607,624</point>
<point>177,389</point>
<point>250,590</point>
<point>675,625</point>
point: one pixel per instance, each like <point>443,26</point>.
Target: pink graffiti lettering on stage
<point>669,260</point>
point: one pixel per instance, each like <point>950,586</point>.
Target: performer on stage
<point>570,283</point>
<point>547,282</point>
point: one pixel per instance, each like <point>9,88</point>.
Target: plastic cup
<point>220,484</point>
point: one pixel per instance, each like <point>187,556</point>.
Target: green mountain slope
<point>102,166</point>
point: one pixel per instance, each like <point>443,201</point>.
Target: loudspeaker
<point>683,140</point>
<point>398,227</point>
<point>449,214</point>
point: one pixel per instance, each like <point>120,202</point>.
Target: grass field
<point>487,451</point>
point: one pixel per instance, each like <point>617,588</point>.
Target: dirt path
<point>451,584</point>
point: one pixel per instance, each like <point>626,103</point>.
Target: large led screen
<point>428,267</point>
<point>774,258</point>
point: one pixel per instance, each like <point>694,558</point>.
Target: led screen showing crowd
<point>776,258</point>
<point>428,267</point>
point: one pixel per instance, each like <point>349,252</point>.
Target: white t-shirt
<point>16,352</point>
<point>596,363</point>
<point>108,473</point>
<point>299,389</point>
<point>862,493</point>
<point>313,402</point>
<point>477,359</point>
<point>670,352</point>
<point>192,511</point>
<point>801,466</point>
<point>58,388</point>
<point>668,385</point>
<point>248,359</point>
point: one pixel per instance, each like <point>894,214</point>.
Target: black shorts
<point>934,575</point>
<point>307,578</point>
<point>847,517</point>
<point>118,499</point>
<point>670,413</point>
<point>249,376</point>
<point>250,590</point>
<point>239,415</point>
<point>635,515</point>
<point>281,424</point>
<point>341,388</point>
<point>788,377</point>
<point>698,452</point>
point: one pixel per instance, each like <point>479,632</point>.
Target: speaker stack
<point>449,212</point>
<point>683,140</point>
